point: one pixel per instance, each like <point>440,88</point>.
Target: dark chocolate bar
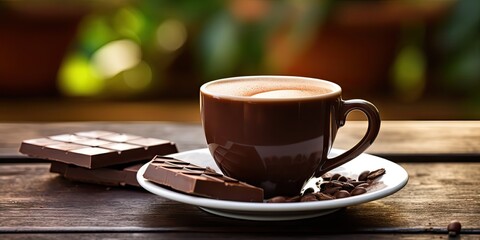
<point>188,178</point>
<point>96,149</point>
<point>108,176</point>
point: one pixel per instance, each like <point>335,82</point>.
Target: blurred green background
<point>414,59</point>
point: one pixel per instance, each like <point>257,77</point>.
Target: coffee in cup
<point>276,132</point>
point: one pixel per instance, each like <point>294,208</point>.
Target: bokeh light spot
<point>171,35</point>
<point>138,77</point>
<point>78,78</point>
<point>129,22</point>
<point>116,56</point>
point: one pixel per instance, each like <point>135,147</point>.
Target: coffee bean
<point>335,183</point>
<point>363,176</point>
<point>358,191</point>
<point>454,228</point>
<point>335,186</point>
<point>329,184</point>
<point>323,196</point>
<point>375,174</point>
<point>342,194</point>
<point>277,199</point>
<point>356,183</point>
<point>363,185</point>
<point>308,190</point>
<point>335,176</point>
<point>294,199</point>
<point>332,190</point>
<point>347,186</point>
<point>323,186</point>
<point>308,198</point>
<point>342,179</point>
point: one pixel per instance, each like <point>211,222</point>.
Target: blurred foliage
<point>121,50</point>
<point>409,68</point>
<point>459,42</point>
<point>150,48</point>
<point>218,38</point>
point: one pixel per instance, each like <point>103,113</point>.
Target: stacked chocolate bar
<point>100,157</point>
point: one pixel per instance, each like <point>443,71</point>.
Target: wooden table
<point>442,159</point>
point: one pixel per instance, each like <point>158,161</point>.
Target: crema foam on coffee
<point>270,88</point>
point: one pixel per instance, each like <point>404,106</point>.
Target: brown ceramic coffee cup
<point>275,132</point>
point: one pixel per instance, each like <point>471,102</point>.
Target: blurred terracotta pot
<point>33,42</point>
<point>358,44</point>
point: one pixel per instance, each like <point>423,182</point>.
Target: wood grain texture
<point>34,200</point>
<point>396,138</point>
<point>418,137</point>
<point>38,203</point>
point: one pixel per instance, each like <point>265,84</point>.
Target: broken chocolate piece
<point>191,179</point>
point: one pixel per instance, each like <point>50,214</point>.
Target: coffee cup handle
<point>373,118</point>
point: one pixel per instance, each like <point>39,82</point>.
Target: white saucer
<point>395,179</point>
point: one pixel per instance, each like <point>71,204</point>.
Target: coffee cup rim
<point>336,89</point>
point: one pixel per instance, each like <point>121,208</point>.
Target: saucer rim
<point>217,204</point>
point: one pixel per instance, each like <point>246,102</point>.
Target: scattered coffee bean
<point>324,186</point>
<point>348,186</point>
<point>335,186</point>
<point>342,194</point>
<point>375,174</point>
<point>332,190</point>
<point>363,176</point>
<point>356,183</point>
<point>322,196</point>
<point>334,183</point>
<point>335,176</point>
<point>342,179</point>
<point>358,191</point>
<point>363,185</point>
<point>277,199</point>
<point>454,228</point>
<point>308,198</point>
<point>294,199</point>
<point>308,190</point>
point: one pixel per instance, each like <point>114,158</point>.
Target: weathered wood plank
<point>34,200</point>
<point>418,137</point>
<point>396,138</point>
